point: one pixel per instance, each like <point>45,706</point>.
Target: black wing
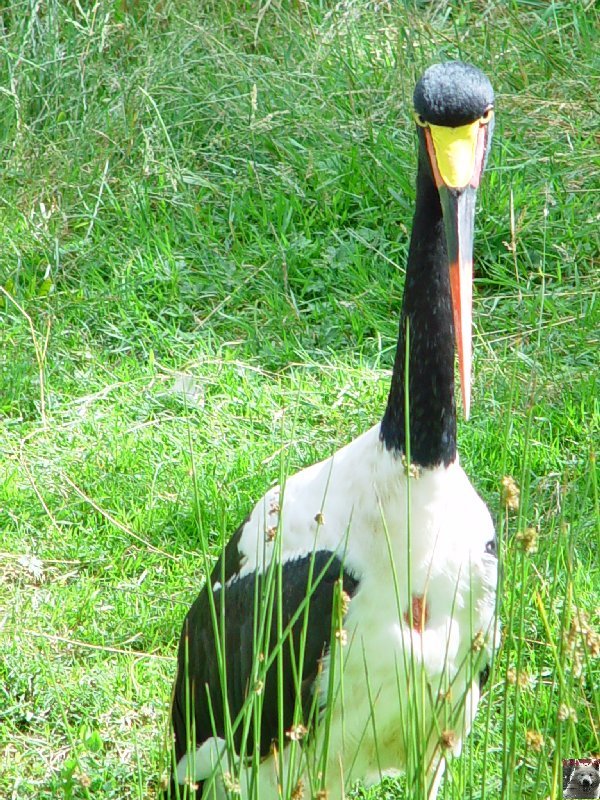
<point>246,611</point>
<point>231,560</point>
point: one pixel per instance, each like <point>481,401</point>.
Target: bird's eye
<point>487,115</point>
<point>420,120</point>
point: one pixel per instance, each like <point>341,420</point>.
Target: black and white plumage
<point>314,589</point>
<point>408,548</point>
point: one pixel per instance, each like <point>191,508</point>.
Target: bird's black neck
<point>427,309</point>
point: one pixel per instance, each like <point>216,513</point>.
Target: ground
<point>204,215</point>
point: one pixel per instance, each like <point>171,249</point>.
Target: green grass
<point>204,215</point>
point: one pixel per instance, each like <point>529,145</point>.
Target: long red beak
<point>458,208</point>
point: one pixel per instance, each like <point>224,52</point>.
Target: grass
<point>204,214</point>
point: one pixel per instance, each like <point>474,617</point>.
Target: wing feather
<point>246,617</point>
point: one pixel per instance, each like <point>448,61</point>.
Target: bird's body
<point>360,494</point>
<point>395,671</point>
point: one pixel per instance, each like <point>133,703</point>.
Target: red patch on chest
<point>420,614</point>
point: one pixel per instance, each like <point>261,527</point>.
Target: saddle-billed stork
<point>344,630</point>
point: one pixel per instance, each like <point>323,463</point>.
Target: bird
<point>345,629</point>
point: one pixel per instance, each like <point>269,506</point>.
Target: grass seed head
<point>448,740</point>
<point>271,533</point>
<point>411,470</point>
<point>231,783</point>
<point>510,493</point>
<point>344,602</point>
<point>342,636</point>
<point>534,741</point>
<point>581,637</point>
<point>520,677</point>
<point>565,713</point>
<point>297,732</point>
<point>528,539</point>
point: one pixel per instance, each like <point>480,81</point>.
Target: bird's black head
<point>452,94</point>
